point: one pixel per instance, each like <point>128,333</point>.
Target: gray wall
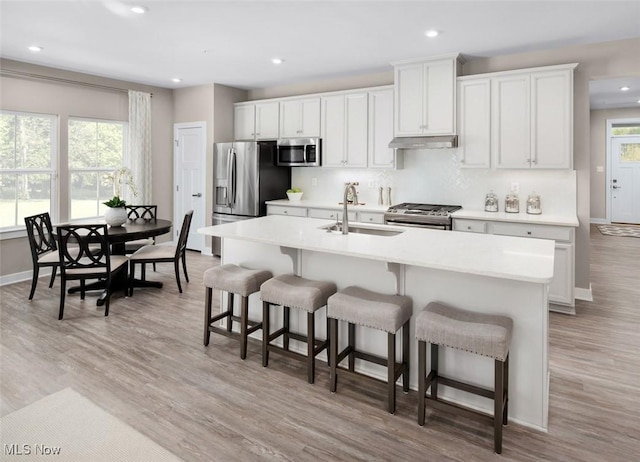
<point>598,147</point>
<point>69,100</point>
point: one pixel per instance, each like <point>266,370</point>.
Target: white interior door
<point>625,179</point>
<point>189,178</point>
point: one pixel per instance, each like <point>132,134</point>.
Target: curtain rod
<point>28,75</point>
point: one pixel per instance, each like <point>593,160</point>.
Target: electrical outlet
<point>599,169</point>
<point>314,182</point>
<point>515,187</point>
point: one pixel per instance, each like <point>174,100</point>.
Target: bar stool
<point>358,306</point>
<point>482,334</point>
<point>291,291</point>
<point>232,279</point>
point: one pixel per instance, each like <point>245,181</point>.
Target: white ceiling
<point>232,42</point>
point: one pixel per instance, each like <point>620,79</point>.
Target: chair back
<point>184,233</point>
<point>142,212</point>
<point>84,250</point>
<point>40,234</point>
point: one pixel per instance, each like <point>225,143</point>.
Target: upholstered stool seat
<point>478,333</point>
<point>232,279</point>
<point>388,313</point>
<point>291,291</point>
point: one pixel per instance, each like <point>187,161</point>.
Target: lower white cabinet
<point>329,214</point>
<point>371,217</point>
<point>561,289</point>
<point>284,210</point>
<point>326,214</point>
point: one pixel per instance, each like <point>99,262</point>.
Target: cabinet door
<point>267,121</point>
<point>356,128</point>
<point>244,122</point>
<point>562,285</point>
<point>474,123</point>
<point>409,97</point>
<point>381,129</point>
<point>284,210</point>
<point>370,217</point>
<point>310,121</point>
<point>510,119</point>
<point>551,119</point>
<point>333,131</point>
<point>290,119</point>
<point>439,90</point>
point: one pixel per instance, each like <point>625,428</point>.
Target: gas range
<point>421,215</point>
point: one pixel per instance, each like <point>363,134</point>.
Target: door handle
<point>616,187</point>
<point>196,195</point>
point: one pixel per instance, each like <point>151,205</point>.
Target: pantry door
<point>625,179</point>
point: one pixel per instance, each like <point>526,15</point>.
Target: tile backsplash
<point>435,176</point>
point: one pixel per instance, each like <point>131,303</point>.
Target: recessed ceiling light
<point>277,61</point>
<point>431,33</point>
<point>35,48</point>
<point>625,88</point>
<point>176,80</point>
<point>139,9</point>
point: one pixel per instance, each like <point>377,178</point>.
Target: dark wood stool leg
<point>434,369</point>
<point>422,379</point>
<point>505,416</point>
<point>352,346</point>
<point>207,315</point>
<point>391,373</point>
<point>244,313</point>
<point>285,337</point>
<point>265,334</point>
<point>328,344</point>
<point>311,346</point>
<point>405,357</point>
<point>230,309</point>
<point>497,403</point>
<point>333,335</point>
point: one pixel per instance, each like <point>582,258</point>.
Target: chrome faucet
<point>345,214</point>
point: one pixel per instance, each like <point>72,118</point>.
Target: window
<point>96,148</point>
<point>625,129</point>
<point>28,150</point>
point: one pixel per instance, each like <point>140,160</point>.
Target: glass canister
<point>533,204</point>
<point>512,203</point>
<point>491,202</point>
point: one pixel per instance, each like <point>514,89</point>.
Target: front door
<point>189,178</point>
<point>625,179</point>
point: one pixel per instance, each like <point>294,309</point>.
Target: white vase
<point>115,216</point>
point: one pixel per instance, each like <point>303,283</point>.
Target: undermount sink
<point>362,230</point>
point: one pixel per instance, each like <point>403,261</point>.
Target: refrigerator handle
<point>229,177</point>
<point>232,178</point>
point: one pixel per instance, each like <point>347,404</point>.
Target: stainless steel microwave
<point>299,152</point>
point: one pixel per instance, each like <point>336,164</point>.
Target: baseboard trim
<point>23,276</point>
<point>599,221</point>
<point>584,294</point>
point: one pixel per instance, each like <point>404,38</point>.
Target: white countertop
<point>332,205</point>
<point>506,257</point>
<point>523,217</point>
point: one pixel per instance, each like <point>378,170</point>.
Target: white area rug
<point>66,426</point>
<point>620,230</point>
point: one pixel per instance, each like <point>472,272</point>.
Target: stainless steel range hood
<point>424,142</point>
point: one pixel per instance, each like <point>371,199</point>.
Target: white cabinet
<point>370,217</point>
<point>561,289</point>
<point>381,131</point>
<point>425,97</point>
<point>517,119</point>
<point>300,118</point>
<point>330,214</point>
<point>284,210</point>
<point>344,130</point>
<point>474,123</point>
<point>256,121</point>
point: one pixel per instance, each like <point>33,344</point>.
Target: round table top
<point>131,230</point>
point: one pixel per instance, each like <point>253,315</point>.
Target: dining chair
<point>84,253</point>
<point>164,254</point>
<point>141,214</point>
<point>44,251</point>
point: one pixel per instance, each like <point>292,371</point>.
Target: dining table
<point>118,236</point>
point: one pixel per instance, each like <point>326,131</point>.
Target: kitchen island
<point>478,272</point>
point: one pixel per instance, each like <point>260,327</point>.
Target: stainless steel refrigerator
<point>245,176</point>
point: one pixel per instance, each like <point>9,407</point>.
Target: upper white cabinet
<point>517,119</point>
<point>425,97</point>
<point>256,121</point>
<point>381,130</point>
<point>300,118</point>
<point>344,130</point>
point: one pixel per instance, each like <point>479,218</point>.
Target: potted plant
<point>116,214</point>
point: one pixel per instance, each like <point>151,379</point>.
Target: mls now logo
<point>27,449</point>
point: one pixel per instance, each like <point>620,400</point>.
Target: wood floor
<point>146,364</point>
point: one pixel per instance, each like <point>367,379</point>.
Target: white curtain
<point>140,146</point>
